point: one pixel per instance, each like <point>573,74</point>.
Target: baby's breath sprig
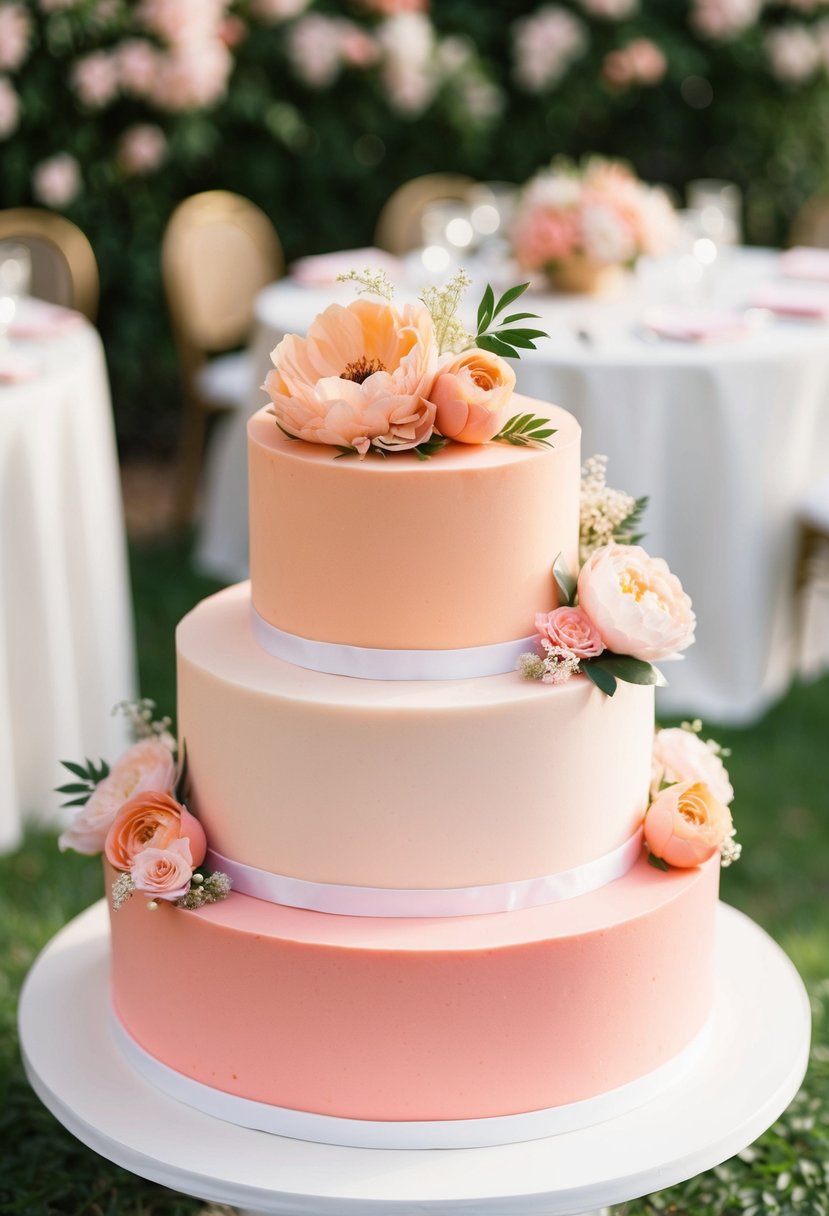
<point>143,722</point>
<point>369,282</point>
<point>443,304</point>
<point>504,339</point>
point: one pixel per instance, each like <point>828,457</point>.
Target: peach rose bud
<point>686,824</point>
<point>164,873</point>
<point>571,629</point>
<point>154,821</point>
<point>472,396</point>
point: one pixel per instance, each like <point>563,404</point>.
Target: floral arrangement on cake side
<point>579,224</point>
<point>372,377</point>
<point>135,813</point>
<point>689,817</point>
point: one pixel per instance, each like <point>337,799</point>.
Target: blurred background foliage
<point>318,110</point>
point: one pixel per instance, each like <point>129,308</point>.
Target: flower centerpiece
<point>375,377</point>
<point>581,225</point>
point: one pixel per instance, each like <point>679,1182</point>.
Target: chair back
<point>810,225</point>
<point>219,250</point>
<point>64,270</point>
<point>399,224</point>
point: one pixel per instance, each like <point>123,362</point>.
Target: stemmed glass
<point>15,278</point>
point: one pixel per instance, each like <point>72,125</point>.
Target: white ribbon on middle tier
<point>344,900</point>
<point>368,663</point>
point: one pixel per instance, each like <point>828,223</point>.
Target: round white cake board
<point>753,1065</point>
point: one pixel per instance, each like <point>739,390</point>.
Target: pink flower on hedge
<point>611,10</point>
<point>164,873</point>
<point>57,180</point>
<point>361,377</point>
<point>192,77</point>
<point>794,53</point>
<point>639,62</point>
<point>95,78</point>
<point>719,19</point>
<point>636,604</point>
<point>572,630</point>
<point>137,63</point>
<point>142,149</point>
<point>9,108</point>
<point>546,44</point>
<point>314,49</point>
<point>15,32</point>
<point>390,8</point>
<point>277,10</point>
<point>183,23</point>
<point>686,824</point>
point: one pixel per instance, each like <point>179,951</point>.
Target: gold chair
<point>64,270</point>
<point>219,250</point>
<point>810,225</point>
<point>399,224</point>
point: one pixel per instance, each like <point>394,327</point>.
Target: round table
<point>754,1062</point>
<point>66,632</point>
<point>724,438</point>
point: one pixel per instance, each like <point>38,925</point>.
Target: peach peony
<point>636,604</point>
<point>681,755</point>
<point>362,376</point>
<point>147,765</point>
<point>686,824</point>
<point>164,873</point>
<point>152,821</point>
<point>472,395</point>
<point>570,629</point>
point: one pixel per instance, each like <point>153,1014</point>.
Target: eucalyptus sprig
<point>525,429</point>
<point>89,775</point>
<point>504,339</point>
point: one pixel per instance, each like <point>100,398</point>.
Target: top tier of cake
<point>401,553</point>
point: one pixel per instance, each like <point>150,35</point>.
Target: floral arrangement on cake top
<point>575,220</point>
<point>135,813</point>
<point>624,612</point>
<point>374,377</point>
<point>689,819</point>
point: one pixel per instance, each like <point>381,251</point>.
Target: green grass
<point>779,769</point>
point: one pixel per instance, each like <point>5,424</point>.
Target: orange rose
<point>152,821</point>
<point>472,394</point>
<point>686,824</point>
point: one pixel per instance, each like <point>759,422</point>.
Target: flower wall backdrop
<point>112,110</point>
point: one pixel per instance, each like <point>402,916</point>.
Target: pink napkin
<point>808,300</point>
<point>322,269</point>
<point>805,263</point>
<point>40,319</point>
<point>15,368</point>
<point>695,324</point>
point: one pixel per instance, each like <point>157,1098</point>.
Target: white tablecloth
<point>724,438</point>
<point>66,632</point>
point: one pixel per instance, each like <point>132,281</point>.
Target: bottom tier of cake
<point>583,1008</point>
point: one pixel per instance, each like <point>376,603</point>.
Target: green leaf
<point>521,316</point>
<point>632,671</point>
<point>78,801</point>
<point>515,339</point>
<point>603,679</point>
<point>74,788</point>
<point>564,581</point>
<point>180,792</point>
<point>77,769</point>
<point>496,347</point>
<point>288,434</point>
<point>521,332</point>
<point>657,862</point>
<point>508,297</point>
<point>485,308</point>
<point>516,423</point>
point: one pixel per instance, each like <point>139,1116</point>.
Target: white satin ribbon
<point>367,663</point>
<point>445,1133</point>
<point>428,902</point>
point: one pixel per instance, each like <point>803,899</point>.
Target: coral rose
<point>147,765</point>
<point>680,755</point>
<point>152,821</point>
<point>362,376</point>
<point>164,873</point>
<point>636,604</point>
<point>686,824</point>
<point>472,394</point>
<point>570,629</point>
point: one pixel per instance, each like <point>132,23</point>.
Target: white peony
<point>681,755</point>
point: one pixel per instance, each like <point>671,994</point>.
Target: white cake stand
<point>753,1066</point>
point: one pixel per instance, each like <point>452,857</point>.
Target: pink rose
<point>686,824</point>
<point>95,78</point>
<point>681,755</point>
<point>636,604</point>
<point>9,108</point>
<point>147,765</point>
<point>163,873</point>
<point>15,31</point>
<point>472,394</point>
<point>570,629</point>
<point>542,235</point>
<point>137,62</point>
<point>191,76</point>
<point>363,375</point>
<point>152,821</point>
<point>57,181</point>
<point>141,149</point>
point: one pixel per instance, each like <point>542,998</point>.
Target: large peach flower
<point>164,873</point>
<point>686,824</point>
<point>362,376</point>
<point>152,821</point>
<point>472,394</point>
<point>147,765</point>
<point>637,605</point>
<point>681,755</point>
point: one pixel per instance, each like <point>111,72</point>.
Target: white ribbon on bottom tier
<point>343,900</point>
<point>368,663</point>
<point>403,1134</point>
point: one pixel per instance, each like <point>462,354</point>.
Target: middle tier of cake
<point>403,785</point>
